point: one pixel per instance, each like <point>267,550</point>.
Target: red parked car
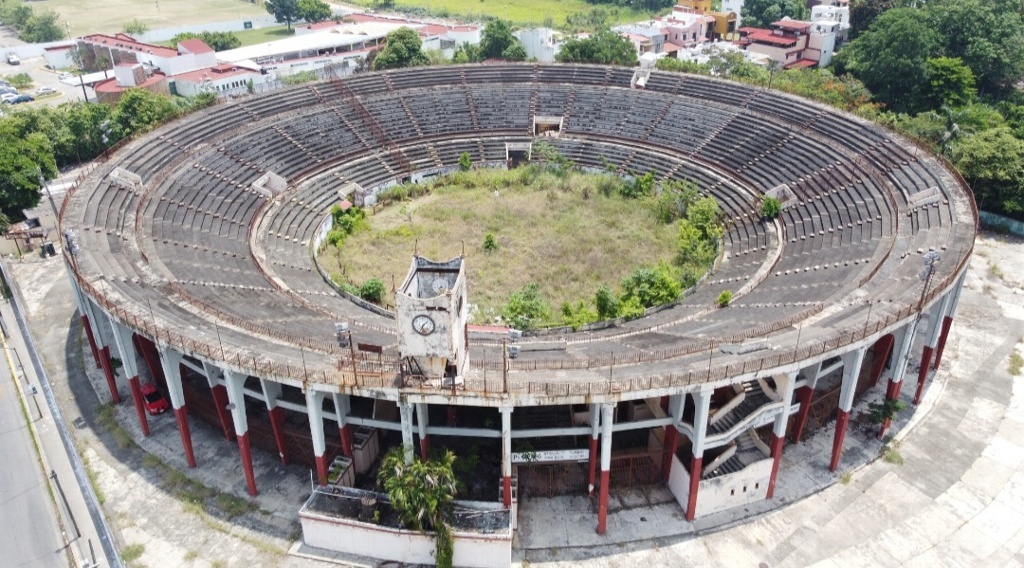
<point>154,401</point>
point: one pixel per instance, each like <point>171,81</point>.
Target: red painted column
<point>592,473</point>
<point>777,444</point>
<point>696,465</point>
<point>922,375</point>
<point>664,403</point>
<point>321,469</point>
<point>602,506</point>
<point>186,435</point>
<point>108,372</point>
<point>842,419</point>
<point>277,425</point>
<point>151,356</point>
<point>425,448</point>
<point>671,445</point>
<point>220,400</point>
<point>506,491</point>
<point>345,432</point>
<point>892,393</point>
<point>803,395</point>
<point>140,409</point>
<point>92,341</point>
<point>947,322</point>
<point>250,477</point>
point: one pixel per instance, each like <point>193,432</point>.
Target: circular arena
<point>192,250</point>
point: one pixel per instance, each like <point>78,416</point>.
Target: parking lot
<point>42,77</point>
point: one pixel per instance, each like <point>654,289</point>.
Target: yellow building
<point>725,22</point>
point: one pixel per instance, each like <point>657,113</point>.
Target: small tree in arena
<point>465,163</point>
<point>770,207</point>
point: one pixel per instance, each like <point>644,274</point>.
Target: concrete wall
<point>366,539</point>
<point>30,50</point>
<point>735,489</point>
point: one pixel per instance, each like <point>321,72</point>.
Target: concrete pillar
<point>902,339</point>
<point>785,385</point>
<point>947,321</point>
<point>405,410</point>
<point>342,406</point>
<point>126,348</point>
<point>170,362</point>
<point>675,411</point>
<point>272,393</point>
<point>235,384</point>
<point>607,419</point>
<point>702,411</point>
<point>219,393</point>
<point>851,371</point>
<point>506,456</point>
<point>108,373</point>
<point>880,351</point>
<point>931,340</point>
<point>422,420</point>
<point>315,410</point>
<point>595,431</point>
<point>87,319</point>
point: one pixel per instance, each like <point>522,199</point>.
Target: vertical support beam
<point>880,351</point>
<point>108,373</point>
<point>87,319</point>
<point>405,409</point>
<point>931,339</point>
<point>805,395</point>
<point>92,339</point>
<point>170,362</point>
<point>422,421</point>
<point>272,393</point>
<point>947,321</point>
<point>595,431</point>
<point>315,410</point>
<point>215,377</point>
<point>702,411</point>
<point>140,409</point>
<point>607,419</point>
<point>902,339</point>
<point>785,385</point>
<point>342,407</point>
<point>235,383</point>
<point>851,371</point>
<point>674,406</point>
<point>125,346</point>
<point>506,456</point>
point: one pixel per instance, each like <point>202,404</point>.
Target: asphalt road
<point>29,534</point>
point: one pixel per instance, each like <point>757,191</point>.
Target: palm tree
<point>952,119</point>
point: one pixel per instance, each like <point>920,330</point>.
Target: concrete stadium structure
<point>192,252</point>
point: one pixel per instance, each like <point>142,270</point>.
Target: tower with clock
<point>432,314</point>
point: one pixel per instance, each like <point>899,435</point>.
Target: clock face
<point>423,325</point>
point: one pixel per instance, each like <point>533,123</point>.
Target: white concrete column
<point>785,385</point>
<point>852,362</point>
<point>235,384</point>
<point>935,316</point>
<point>125,348</point>
<point>607,420</point>
<point>422,421</point>
<point>702,413</point>
<point>595,431</point>
<point>271,394</point>
<point>405,410</point>
<point>170,361</point>
<point>506,454</point>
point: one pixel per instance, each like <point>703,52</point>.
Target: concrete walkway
<point>957,500</point>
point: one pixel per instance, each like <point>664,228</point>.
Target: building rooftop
<point>792,25</point>
<point>340,36</point>
<point>110,85</point>
<point>194,45</point>
<point>214,73</point>
<point>129,43</point>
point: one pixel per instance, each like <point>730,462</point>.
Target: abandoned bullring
<point>239,260</point>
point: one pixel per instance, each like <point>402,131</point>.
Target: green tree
<point>993,164</point>
<point>761,13</point>
<point>218,41</point>
<point>514,52</point>
<point>673,200</point>
<point>891,58</point>
<point>139,110</point>
<point>525,309</point>
<point>607,304</point>
<point>41,28</point>
<point>496,38</point>
<point>770,207</point>
<point>724,298</point>
<point>372,290</point>
<point>465,162</point>
<point>22,159</point>
<point>577,315</point>
<point>988,40</point>
<point>605,47</point>
<point>136,27</point>
<point>651,286</point>
<point>402,49</point>
<point>422,493</point>
<point>950,83</point>
<point>313,10</point>
<point>284,11</point>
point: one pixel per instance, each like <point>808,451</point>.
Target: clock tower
<point>432,313</point>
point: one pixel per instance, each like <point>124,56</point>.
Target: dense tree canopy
<point>950,83</point>
<point>993,163</point>
<point>22,159</point>
<point>988,40</point>
<point>284,11</point>
<point>218,41</point>
<point>891,59</point>
<point>139,110</point>
<point>496,38</point>
<point>761,13</point>
<point>313,10</point>
<point>402,49</point>
<point>605,47</point>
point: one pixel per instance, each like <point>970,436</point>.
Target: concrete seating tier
<point>849,216</point>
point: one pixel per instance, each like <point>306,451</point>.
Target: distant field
<point>107,16</point>
<point>518,11</point>
<point>252,37</point>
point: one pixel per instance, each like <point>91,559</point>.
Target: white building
<point>542,44</point>
<point>223,79</point>
<point>735,6</point>
<point>838,14</point>
<point>121,48</point>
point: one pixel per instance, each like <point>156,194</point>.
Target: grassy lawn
<point>263,35</point>
<point>520,12</point>
<point>108,16</point>
<point>559,232</point>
